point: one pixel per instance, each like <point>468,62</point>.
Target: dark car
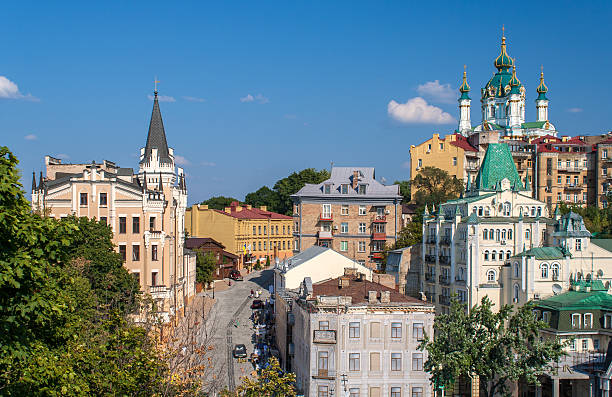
<point>257,304</point>
<point>235,275</point>
<point>240,351</point>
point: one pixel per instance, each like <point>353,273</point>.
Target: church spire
<point>156,139</point>
<point>465,123</point>
<point>541,100</point>
<point>464,88</point>
<point>503,62</point>
<point>33,181</point>
<point>542,89</point>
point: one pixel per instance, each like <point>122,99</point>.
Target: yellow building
<point>251,233</point>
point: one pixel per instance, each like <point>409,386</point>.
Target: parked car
<point>257,304</point>
<point>235,275</point>
<point>240,351</point>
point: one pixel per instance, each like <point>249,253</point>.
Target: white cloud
<point>437,92</point>
<point>163,98</point>
<point>208,164</point>
<point>406,164</point>
<point>257,98</point>
<point>30,137</point>
<point>417,110</point>
<point>63,156</point>
<point>193,99</point>
<point>10,90</point>
<point>180,160</point>
<point>574,110</point>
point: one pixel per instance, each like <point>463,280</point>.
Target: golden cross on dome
<point>503,30</point>
<point>155,82</point>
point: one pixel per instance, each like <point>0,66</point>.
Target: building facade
<point>226,261</point>
<point>250,233</point>
<point>351,212</point>
<point>145,210</point>
<point>354,337</point>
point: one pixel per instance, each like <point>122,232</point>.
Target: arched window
<point>492,111</point>
<point>486,255</point>
<point>509,234</point>
<point>554,270</point>
<point>506,209</point>
<point>539,211</point>
<point>508,255</point>
<point>480,211</point>
<point>493,255</point>
<point>487,211</point>
<point>491,276</point>
<point>491,234</point>
<point>544,268</point>
<point>516,292</point>
<point>533,211</point>
<point>517,269</point>
<point>484,234</point>
<point>474,209</point>
<point>527,234</point>
<point>497,234</point>
<point>503,234</point>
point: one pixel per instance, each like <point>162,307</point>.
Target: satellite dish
<point>556,288</point>
<point>383,179</point>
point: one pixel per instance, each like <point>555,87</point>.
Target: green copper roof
<point>496,166</point>
<point>605,243</point>
<point>470,199</point>
<point>571,225</point>
<point>503,61</point>
<point>534,124</point>
<point>544,253</point>
<point>464,88</point>
<point>597,298</point>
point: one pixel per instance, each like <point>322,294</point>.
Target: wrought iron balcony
<point>324,374</point>
<point>430,277</point>
<point>460,280</point>
<point>431,239</point>
<point>444,259</point>
<point>430,258</point>
<point>444,280</point>
<point>379,218</point>
<point>445,240</point>
<point>326,217</point>
<point>327,336</point>
<point>573,186</point>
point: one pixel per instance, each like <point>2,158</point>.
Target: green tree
<point>267,261</point>
<point>597,220</point>
<point>219,202</point>
<point>263,196</point>
<point>404,190</point>
<point>433,185</point>
<point>497,347</point>
<point>206,264</point>
<point>292,184</point>
<point>272,381</point>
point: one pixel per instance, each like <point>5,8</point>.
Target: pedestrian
<point>252,292</point>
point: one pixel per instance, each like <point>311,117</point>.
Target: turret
<point>465,124</point>
<point>514,114</point>
<point>542,101</point>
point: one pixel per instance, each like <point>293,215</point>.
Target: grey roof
<point>303,256</point>
<point>344,175</point>
<point>157,136</point>
<point>125,172</point>
<point>571,225</point>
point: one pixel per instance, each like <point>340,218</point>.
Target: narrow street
<point>231,314</point>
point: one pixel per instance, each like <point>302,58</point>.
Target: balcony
<point>430,277</point>
<point>444,259</point>
<point>325,235</point>
<point>430,258</point>
<point>324,336</point>
<point>459,280</point>
<point>444,280</point>
<point>471,167</point>
<point>325,217</point>
<point>379,236</point>
<point>445,240</point>
<point>379,219</point>
<point>431,240</point>
<point>324,374</point>
<point>158,291</point>
<point>444,300</point>
<point>431,297</point>
<point>571,168</point>
<point>377,255</point>
<point>574,186</point>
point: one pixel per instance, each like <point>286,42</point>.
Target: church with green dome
<point>503,103</point>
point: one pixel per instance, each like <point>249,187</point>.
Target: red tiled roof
<point>252,213</point>
<point>196,242</point>
<point>358,291</point>
<point>461,141</point>
<point>543,139</point>
<point>543,148</point>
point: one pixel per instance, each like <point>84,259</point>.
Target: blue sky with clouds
<point>256,90</point>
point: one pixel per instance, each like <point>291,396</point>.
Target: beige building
<point>350,336</point>
<point>351,212</point>
<point>251,233</point>
<point>145,211</point>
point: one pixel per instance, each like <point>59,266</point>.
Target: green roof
<point>605,243</point>
<point>470,199</point>
<point>544,253</point>
<point>496,166</point>
<point>597,298</point>
<point>533,124</point>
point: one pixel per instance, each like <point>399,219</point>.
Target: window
<point>344,227</point>
<point>484,234</point>
<point>354,330</point>
<point>584,197</point>
<point>491,276</point>
<point>354,364</point>
<point>122,252</point>
<point>508,255</point>
<point>527,234</point>
<point>361,246</point>
<point>361,189</point>
<point>153,278</point>
<point>506,209</point>
<point>572,345</point>
<point>323,360</point>
<point>588,320</point>
<point>486,255</point>
<point>575,320</point>
<point>585,344</point>
<point>441,146</point>
<point>83,200</point>
<point>546,317</point>
<point>396,330</point>
<point>454,161</point>
<point>374,330</point>
<point>417,331</point>
<point>417,361</point>
<point>420,163</point>
<point>429,147</point>
<point>554,269</point>
<point>254,229</point>
<point>154,252</point>
<point>324,325</point>
<point>491,234</point>
<point>103,200</point>
<point>396,392</point>
<point>343,246</point>
<point>354,392</point>
<point>265,245</point>
<point>122,225</point>
<point>516,269</point>
<point>595,344</point>
<point>344,210</point>
<point>362,210</point>
<point>544,268</point>
<point>375,361</point>
<point>493,255</point>
<point>604,154</point>
<point>152,223</point>
<point>284,245</point>
<point>396,361</point>
<point>559,180</point>
<point>135,224</point>
<point>417,392</point>
<point>362,228</point>
<point>327,189</point>
<point>509,234</point>
<point>265,231</point>
<point>322,391</point>
<point>135,252</point>
<point>608,321</point>
<point>103,219</point>
<point>344,189</point>
<point>480,211</point>
<point>578,244</point>
<point>497,235</point>
<point>516,293</point>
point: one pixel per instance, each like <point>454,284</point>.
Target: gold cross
<point>503,30</point>
<point>155,82</point>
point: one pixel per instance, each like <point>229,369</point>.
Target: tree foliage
<point>271,381</point>
<point>206,264</point>
<point>263,196</point>
<point>219,202</point>
<point>404,190</point>
<point>497,347</point>
<point>597,220</point>
<point>433,185</point>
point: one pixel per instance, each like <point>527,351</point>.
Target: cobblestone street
<point>231,313</point>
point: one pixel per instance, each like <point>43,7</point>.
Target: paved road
<point>232,313</point>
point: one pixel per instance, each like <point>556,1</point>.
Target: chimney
<point>355,179</point>
<point>388,280</point>
<point>385,296</point>
<point>263,207</point>
<point>343,282</point>
<point>372,296</point>
<point>249,206</point>
<point>238,208</point>
<point>350,271</point>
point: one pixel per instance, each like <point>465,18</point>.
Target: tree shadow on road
<point>265,278</point>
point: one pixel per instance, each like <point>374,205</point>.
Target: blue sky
<point>262,89</point>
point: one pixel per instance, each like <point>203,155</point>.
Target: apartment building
<point>350,336</point>
<point>351,212</point>
<point>145,211</point>
<point>226,261</point>
<point>248,232</point>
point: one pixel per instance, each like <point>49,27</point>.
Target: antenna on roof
<point>331,165</point>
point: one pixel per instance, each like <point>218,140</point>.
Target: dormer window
<point>361,189</point>
<point>326,189</point>
<point>578,244</point>
<point>344,189</point>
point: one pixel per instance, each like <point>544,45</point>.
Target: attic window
<point>361,189</point>
<point>326,189</point>
<point>578,244</point>
<point>344,189</point>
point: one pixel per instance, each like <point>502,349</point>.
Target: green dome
<point>515,83</point>
<point>464,88</point>
<point>542,89</point>
<point>503,62</point>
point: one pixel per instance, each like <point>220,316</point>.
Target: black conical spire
<point>144,182</point>
<point>156,139</point>
<point>40,181</point>
<point>161,187</point>
<point>33,181</point>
